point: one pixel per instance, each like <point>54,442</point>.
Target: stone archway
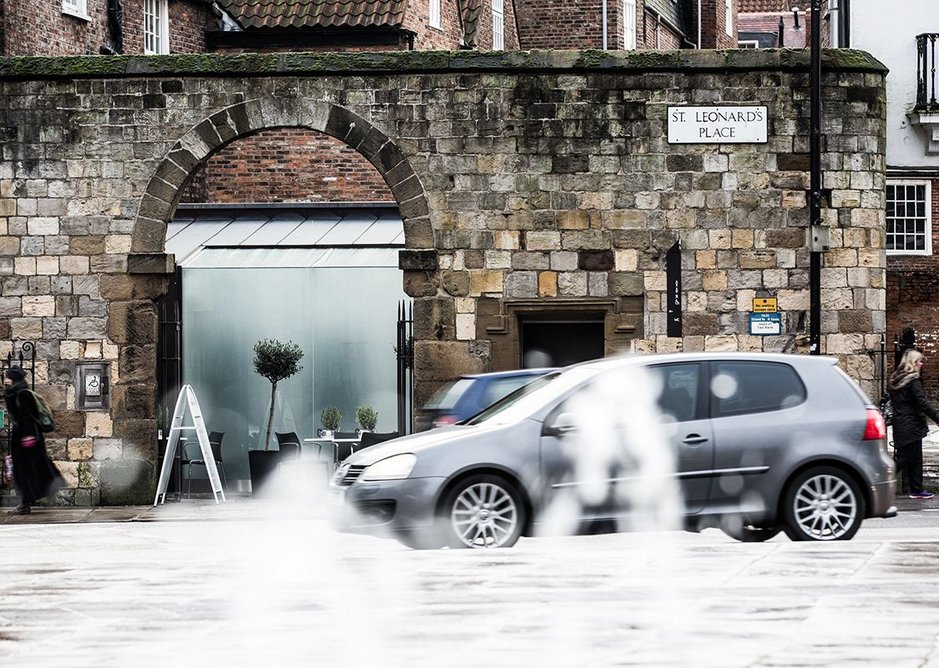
<point>245,118</point>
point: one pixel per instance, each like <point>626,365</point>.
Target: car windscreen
<point>532,397</point>
<point>446,397</point>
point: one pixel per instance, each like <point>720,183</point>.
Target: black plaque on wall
<point>673,289</point>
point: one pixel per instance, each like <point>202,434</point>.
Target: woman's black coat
<point>910,408</point>
<point>34,473</point>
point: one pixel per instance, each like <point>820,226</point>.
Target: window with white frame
<point>629,24</point>
<point>434,13</point>
<point>498,25</point>
<point>156,28</point>
<point>909,217</point>
<point>729,17</point>
<point>77,8</point>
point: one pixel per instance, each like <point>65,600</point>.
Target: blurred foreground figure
<point>35,474</point>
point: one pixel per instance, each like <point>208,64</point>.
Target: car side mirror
<point>561,425</point>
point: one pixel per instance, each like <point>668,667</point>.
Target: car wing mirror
<point>561,425</point>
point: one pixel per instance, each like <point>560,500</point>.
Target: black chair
<point>192,456</point>
<point>368,438</point>
<point>289,444</point>
<point>215,441</point>
<point>371,438</point>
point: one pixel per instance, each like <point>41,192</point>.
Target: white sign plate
<point>765,324</point>
<point>717,125</point>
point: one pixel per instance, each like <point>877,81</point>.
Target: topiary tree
<point>331,418</point>
<point>276,361</point>
<point>367,417</point>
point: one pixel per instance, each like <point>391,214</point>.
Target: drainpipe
<point>782,33</point>
<point>604,26</point>
<point>818,236</point>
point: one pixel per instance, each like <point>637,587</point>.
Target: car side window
<point>502,387</point>
<point>740,388</point>
<point>678,399</point>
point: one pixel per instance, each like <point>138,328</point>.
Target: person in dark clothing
<point>35,474</point>
<point>910,408</point>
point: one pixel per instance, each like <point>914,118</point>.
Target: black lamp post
<point>818,233</point>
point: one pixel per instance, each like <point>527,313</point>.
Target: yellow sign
<point>765,305</point>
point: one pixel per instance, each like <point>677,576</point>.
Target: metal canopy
<point>200,228</point>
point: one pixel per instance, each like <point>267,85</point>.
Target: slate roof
<point>294,14</point>
<point>676,13</point>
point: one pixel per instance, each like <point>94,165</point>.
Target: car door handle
<point>694,439</point>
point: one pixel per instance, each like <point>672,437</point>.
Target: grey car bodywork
<point>737,466</point>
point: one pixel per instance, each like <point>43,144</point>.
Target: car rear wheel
<point>823,503</point>
<point>483,511</point>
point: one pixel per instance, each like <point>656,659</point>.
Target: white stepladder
<point>187,398</point>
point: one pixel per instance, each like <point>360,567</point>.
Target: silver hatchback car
<point>753,443</point>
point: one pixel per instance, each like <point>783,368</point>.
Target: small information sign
<point>765,324</point>
<point>765,305</point>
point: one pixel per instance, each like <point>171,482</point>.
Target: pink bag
<point>8,469</point>
<point>28,441</point>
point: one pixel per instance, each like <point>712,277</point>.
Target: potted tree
<point>276,361</point>
<point>367,417</point>
<point>330,418</point>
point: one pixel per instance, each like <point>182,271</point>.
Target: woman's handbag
<point>8,469</point>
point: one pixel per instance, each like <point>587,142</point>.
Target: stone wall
<point>526,181</point>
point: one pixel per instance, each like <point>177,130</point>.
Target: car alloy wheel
<point>484,511</point>
<point>823,503</point>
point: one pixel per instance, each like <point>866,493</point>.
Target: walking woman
<point>910,408</point>
<point>35,474</point>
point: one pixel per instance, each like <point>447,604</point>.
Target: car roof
<point>660,358</point>
<point>511,374</point>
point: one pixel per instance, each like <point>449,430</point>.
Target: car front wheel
<point>483,511</point>
<point>823,503</point>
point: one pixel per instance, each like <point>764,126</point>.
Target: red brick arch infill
<point>239,120</point>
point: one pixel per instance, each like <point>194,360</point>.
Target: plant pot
<point>261,464</point>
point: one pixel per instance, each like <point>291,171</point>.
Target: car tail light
<point>875,429</point>
<point>444,420</point>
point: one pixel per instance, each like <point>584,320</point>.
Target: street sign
<point>765,305</point>
<point>717,125</point>
<point>765,324</point>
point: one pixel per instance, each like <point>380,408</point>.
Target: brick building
<point>80,27</point>
<point>910,49</point>
<point>767,24</point>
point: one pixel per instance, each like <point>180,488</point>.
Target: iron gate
<point>404,355</point>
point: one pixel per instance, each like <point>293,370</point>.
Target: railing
<point>926,73</point>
